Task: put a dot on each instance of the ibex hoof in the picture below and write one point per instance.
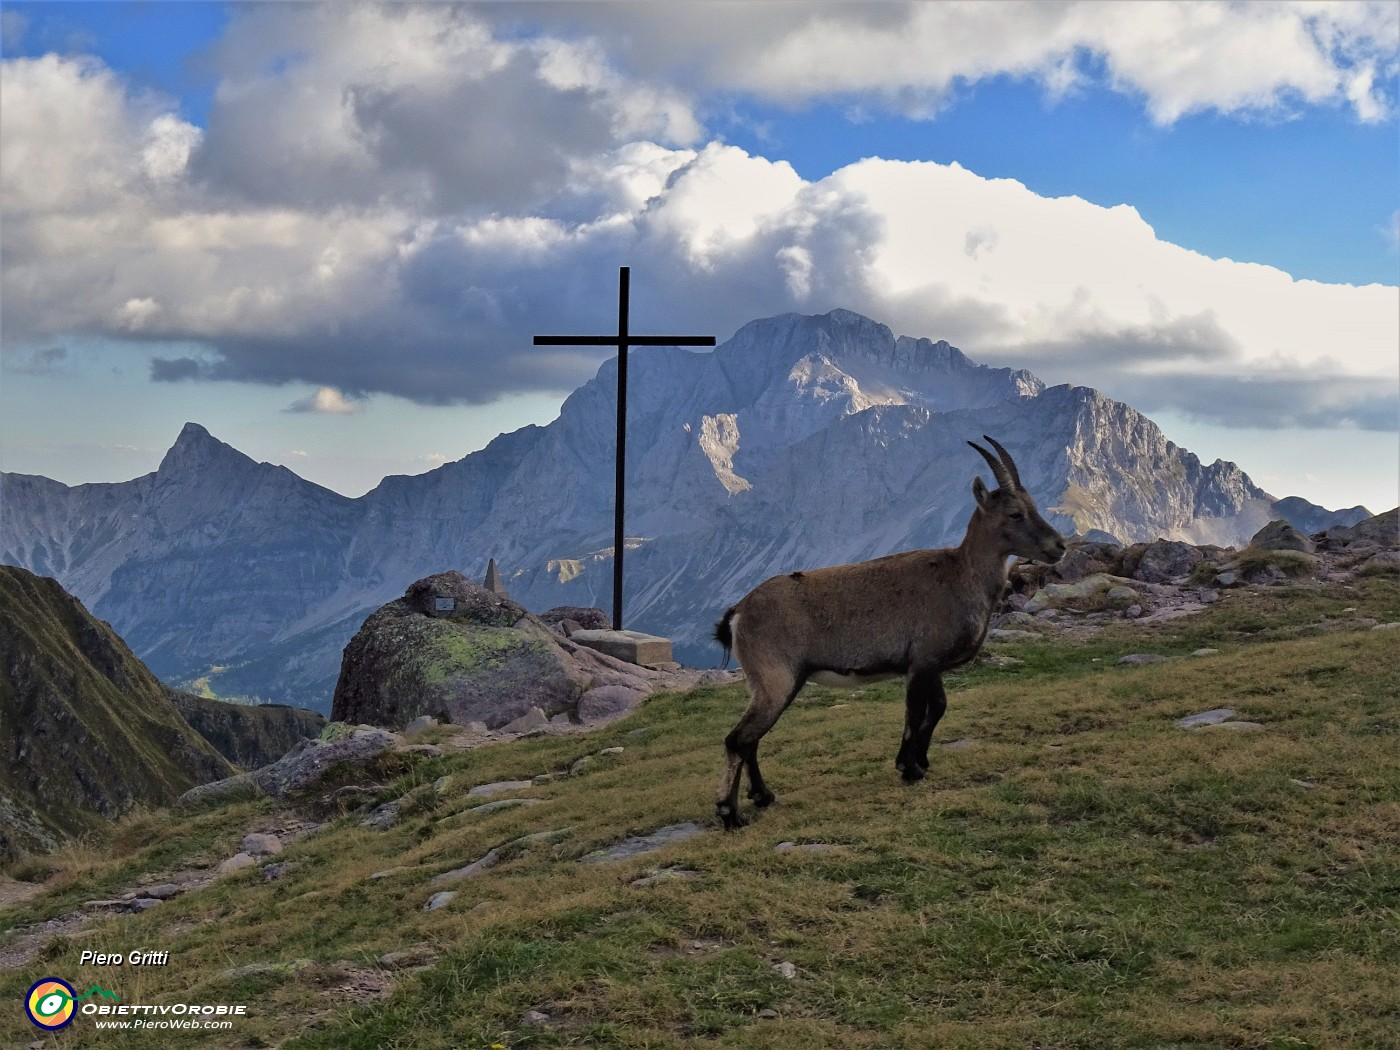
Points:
(763, 799)
(729, 815)
(911, 773)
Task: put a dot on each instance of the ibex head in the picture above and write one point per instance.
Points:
(1012, 515)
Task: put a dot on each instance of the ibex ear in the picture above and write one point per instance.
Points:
(979, 492)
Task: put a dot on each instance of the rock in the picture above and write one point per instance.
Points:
(144, 904)
(1137, 659)
(273, 872)
(487, 790)
(1165, 560)
(1208, 597)
(534, 1017)
(260, 845)
(419, 725)
(1382, 560)
(1382, 529)
(999, 635)
(1204, 652)
(610, 751)
(1227, 579)
(608, 702)
(586, 619)
(505, 803)
(418, 955)
(1244, 726)
(476, 867)
(258, 968)
(1120, 597)
(162, 891)
(1386, 626)
(309, 762)
(230, 789)
(237, 862)
(439, 900)
(1132, 612)
(532, 721)
(1306, 785)
(248, 735)
(661, 875)
(442, 783)
(1207, 718)
(808, 847)
(381, 818)
(581, 765)
(485, 659)
(631, 646)
(1084, 558)
(640, 844)
(1279, 535)
(767, 1014)
(785, 969)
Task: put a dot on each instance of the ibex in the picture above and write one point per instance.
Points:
(917, 613)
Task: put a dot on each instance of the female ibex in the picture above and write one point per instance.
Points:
(917, 614)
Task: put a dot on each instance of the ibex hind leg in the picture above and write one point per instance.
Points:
(770, 696)
(924, 704)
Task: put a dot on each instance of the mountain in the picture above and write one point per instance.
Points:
(86, 731)
(802, 441)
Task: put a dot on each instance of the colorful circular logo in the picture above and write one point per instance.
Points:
(50, 1003)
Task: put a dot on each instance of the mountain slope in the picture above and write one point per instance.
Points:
(86, 731)
(802, 441)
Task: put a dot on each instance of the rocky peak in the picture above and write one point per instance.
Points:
(197, 452)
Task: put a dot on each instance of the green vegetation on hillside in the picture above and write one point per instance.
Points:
(1080, 872)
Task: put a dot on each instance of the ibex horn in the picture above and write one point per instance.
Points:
(998, 469)
(1006, 458)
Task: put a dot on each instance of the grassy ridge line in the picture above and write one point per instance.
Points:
(1084, 874)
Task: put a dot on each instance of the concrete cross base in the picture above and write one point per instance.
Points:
(632, 646)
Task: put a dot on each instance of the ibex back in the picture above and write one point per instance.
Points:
(916, 614)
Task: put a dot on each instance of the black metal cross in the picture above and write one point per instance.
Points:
(622, 341)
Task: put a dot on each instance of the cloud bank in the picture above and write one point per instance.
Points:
(394, 200)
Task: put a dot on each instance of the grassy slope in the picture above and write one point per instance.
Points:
(83, 717)
(1085, 874)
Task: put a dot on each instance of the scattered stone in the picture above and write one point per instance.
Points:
(381, 818)
(1205, 652)
(1003, 661)
(1138, 659)
(785, 969)
(273, 872)
(767, 1014)
(418, 955)
(1386, 626)
(547, 778)
(237, 862)
(661, 875)
(389, 872)
(501, 785)
(260, 845)
(640, 844)
(581, 765)
(257, 968)
(532, 721)
(1245, 726)
(104, 905)
(143, 904)
(162, 891)
(1120, 597)
(607, 702)
(1306, 785)
(1001, 635)
(439, 900)
(1207, 718)
(476, 867)
(611, 751)
(1208, 597)
(534, 1017)
(1132, 612)
(1227, 579)
(441, 784)
(808, 847)
(505, 803)
(419, 725)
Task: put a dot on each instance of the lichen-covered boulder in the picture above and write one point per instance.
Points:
(1279, 535)
(1090, 592)
(1084, 558)
(454, 650)
(1160, 561)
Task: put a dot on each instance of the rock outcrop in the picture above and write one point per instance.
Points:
(248, 735)
(86, 731)
(452, 650)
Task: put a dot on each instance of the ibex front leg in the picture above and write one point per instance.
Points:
(924, 704)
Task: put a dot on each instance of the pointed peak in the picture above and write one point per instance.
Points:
(193, 432)
(195, 449)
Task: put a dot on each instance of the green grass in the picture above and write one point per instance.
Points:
(1084, 874)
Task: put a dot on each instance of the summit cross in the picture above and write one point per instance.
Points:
(622, 340)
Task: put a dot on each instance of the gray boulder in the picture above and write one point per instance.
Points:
(1160, 561)
(307, 765)
(1279, 535)
(483, 659)
(589, 619)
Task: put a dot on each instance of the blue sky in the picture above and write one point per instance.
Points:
(327, 232)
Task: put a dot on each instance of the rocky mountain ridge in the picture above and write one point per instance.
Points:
(802, 441)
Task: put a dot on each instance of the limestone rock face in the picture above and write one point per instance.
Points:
(483, 659)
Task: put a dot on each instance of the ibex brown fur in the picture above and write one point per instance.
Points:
(917, 614)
